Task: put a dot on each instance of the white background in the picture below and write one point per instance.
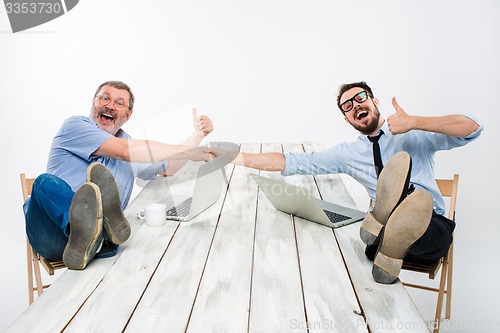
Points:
(265, 71)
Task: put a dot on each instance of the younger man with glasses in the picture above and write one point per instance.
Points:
(406, 220)
(76, 208)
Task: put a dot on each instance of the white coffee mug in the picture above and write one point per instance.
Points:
(155, 214)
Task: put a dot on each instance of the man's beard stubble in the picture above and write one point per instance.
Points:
(371, 126)
(96, 113)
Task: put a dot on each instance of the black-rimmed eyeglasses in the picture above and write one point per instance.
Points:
(359, 97)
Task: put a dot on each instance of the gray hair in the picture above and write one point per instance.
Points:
(118, 85)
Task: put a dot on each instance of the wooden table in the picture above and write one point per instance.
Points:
(239, 266)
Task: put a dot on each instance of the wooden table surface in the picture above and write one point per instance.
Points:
(239, 266)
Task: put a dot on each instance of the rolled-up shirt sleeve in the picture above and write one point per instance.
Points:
(474, 135)
(445, 142)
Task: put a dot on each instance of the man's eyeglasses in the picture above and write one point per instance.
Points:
(359, 97)
(118, 103)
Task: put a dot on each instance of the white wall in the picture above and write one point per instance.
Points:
(264, 71)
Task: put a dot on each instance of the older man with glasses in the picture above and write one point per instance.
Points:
(394, 160)
(75, 212)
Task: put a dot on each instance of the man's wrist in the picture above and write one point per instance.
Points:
(417, 123)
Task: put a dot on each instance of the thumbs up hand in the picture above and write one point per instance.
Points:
(202, 124)
(399, 122)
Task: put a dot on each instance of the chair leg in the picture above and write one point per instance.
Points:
(38, 274)
(442, 286)
(449, 284)
(30, 262)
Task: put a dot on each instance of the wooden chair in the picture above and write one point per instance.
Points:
(448, 188)
(34, 259)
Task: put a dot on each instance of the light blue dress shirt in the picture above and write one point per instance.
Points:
(72, 152)
(356, 159)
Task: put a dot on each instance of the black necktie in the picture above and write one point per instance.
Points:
(377, 158)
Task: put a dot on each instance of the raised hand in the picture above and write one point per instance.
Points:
(202, 124)
(399, 122)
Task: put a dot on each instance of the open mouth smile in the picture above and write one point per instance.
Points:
(106, 116)
(361, 114)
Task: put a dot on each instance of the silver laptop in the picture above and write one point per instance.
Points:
(299, 201)
(207, 189)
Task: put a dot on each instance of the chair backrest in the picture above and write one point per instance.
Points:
(27, 185)
(449, 188)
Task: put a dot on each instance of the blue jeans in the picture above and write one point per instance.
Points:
(47, 218)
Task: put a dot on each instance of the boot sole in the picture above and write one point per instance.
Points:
(405, 226)
(85, 218)
(391, 188)
(115, 223)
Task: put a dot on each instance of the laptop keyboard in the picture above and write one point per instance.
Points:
(182, 209)
(336, 217)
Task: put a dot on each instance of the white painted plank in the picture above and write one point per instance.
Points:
(276, 300)
(130, 276)
(331, 303)
(387, 308)
(222, 303)
(167, 303)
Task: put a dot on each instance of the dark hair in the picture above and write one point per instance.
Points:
(118, 85)
(343, 88)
